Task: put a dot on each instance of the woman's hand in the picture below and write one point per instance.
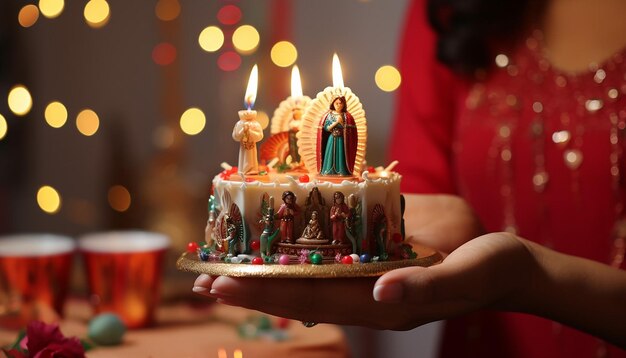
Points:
(481, 273)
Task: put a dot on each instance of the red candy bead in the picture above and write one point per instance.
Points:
(192, 247)
(257, 261)
(255, 245)
(371, 169)
(282, 323)
(347, 260)
(250, 180)
(304, 178)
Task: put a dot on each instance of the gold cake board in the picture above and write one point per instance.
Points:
(191, 263)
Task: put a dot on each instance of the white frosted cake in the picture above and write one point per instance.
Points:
(307, 195)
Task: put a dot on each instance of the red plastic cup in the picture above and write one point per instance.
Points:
(124, 273)
(34, 277)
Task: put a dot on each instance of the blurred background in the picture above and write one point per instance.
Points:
(117, 114)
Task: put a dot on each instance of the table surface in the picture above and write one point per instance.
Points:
(183, 330)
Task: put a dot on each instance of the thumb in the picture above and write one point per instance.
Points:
(418, 285)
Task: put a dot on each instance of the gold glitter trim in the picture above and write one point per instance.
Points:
(191, 263)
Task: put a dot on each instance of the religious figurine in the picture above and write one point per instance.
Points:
(248, 132)
(337, 140)
(269, 233)
(379, 232)
(209, 233)
(287, 213)
(353, 222)
(315, 202)
(294, 128)
(339, 212)
(312, 232)
(231, 235)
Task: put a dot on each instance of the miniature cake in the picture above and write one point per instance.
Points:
(307, 195)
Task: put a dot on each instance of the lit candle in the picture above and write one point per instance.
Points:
(296, 84)
(253, 82)
(248, 130)
(337, 74)
(288, 118)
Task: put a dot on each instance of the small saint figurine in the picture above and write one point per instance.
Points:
(313, 231)
(287, 213)
(248, 132)
(337, 140)
(339, 212)
(294, 128)
(232, 236)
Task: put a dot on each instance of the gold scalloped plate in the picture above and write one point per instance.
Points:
(191, 263)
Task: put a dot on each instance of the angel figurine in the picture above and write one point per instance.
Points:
(248, 132)
(337, 140)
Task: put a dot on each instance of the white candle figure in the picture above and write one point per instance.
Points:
(248, 130)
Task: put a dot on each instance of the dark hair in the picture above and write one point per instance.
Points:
(470, 31)
(338, 194)
(343, 100)
(288, 193)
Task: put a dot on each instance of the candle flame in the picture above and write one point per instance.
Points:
(237, 353)
(337, 75)
(296, 84)
(252, 86)
(221, 353)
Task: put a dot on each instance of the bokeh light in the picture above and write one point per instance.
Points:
(246, 39)
(164, 54)
(4, 127)
(56, 114)
(263, 119)
(20, 100)
(229, 61)
(388, 78)
(87, 122)
(211, 39)
(28, 15)
(97, 13)
(51, 8)
(284, 54)
(192, 121)
(167, 10)
(229, 15)
(119, 198)
(48, 199)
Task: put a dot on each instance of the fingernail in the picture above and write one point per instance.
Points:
(223, 286)
(203, 280)
(199, 289)
(391, 293)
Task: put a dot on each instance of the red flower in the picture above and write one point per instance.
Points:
(46, 341)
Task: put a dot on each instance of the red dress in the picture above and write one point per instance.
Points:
(533, 150)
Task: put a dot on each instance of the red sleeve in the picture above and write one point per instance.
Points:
(425, 110)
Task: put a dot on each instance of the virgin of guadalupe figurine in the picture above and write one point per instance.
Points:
(287, 214)
(337, 140)
(339, 212)
(248, 132)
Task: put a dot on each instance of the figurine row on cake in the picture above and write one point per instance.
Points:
(306, 195)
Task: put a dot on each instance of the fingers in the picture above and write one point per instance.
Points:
(203, 283)
(343, 301)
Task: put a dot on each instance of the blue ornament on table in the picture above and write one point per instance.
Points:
(106, 329)
(365, 258)
(203, 255)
